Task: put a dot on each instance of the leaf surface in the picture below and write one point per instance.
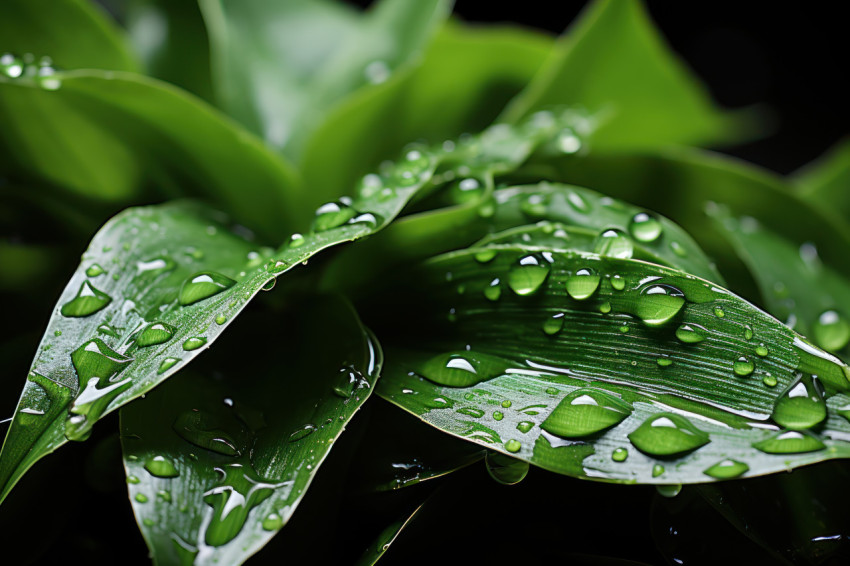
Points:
(609, 369)
(216, 466)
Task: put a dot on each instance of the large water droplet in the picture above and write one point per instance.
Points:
(691, 333)
(155, 333)
(585, 412)
(161, 467)
(645, 228)
(88, 301)
(658, 304)
(614, 243)
(194, 343)
(667, 434)
(203, 286)
(462, 369)
(669, 490)
(333, 214)
(801, 406)
(96, 359)
(583, 284)
(204, 430)
(504, 469)
(831, 331)
(727, 469)
(90, 405)
(528, 275)
(790, 442)
(743, 366)
(620, 454)
(232, 500)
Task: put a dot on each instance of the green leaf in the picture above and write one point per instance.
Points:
(106, 136)
(794, 284)
(615, 63)
(178, 272)
(385, 539)
(606, 368)
(216, 466)
(75, 33)
(825, 181)
(278, 67)
(466, 77)
(172, 42)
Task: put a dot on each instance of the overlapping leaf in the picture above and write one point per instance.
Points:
(167, 280)
(280, 66)
(217, 466)
(610, 369)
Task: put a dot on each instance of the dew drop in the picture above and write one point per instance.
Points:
(161, 467)
(761, 350)
(802, 406)
(494, 290)
(155, 333)
(584, 412)
(790, 442)
(583, 284)
(505, 469)
(194, 343)
(669, 490)
(203, 286)
(743, 366)
(645, 228)
(658, 304)
(618, 283)
(272, 522)
(524, 426)
(88, 301)
(513, 446)
(657, 470)
(831, 331)
(690, 333)
(614, 243)
(94, 270)
(167, 364)
(462, 369)
(528, 275)
(553, 324)
(727, 469)
(619, 454)
(667, 434)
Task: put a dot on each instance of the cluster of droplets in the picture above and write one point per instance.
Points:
(27, 67)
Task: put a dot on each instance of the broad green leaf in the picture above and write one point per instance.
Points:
(794, 284)
(678, 183)
(606, 368)
(216, 466)
(385, 539)
(172, 277)
(826, 181)
(76, 34)
(171, 40)
(278, 67)
(106, 136)
(466, 77)
(614, 62)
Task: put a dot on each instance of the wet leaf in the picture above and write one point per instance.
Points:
(216, 466)
(609, 369)
(825, 181)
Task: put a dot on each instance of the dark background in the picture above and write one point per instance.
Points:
(790, 58)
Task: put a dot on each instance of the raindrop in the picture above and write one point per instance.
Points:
(690, 333)
(513, 446)
(553, 324)
(657, 470)
(658, 304)
(618, 283)
(790, 442)
(88, 301)
(167, 364)
(203, 430)
(831, 331)
(202, 286)
(645, 228)
(494, 290)
(802, 406)
(619, 454)
(667, 434)
(462, 369)
(94, 270)
(272, 522)
(161, 467)
(504, 469)
(583, 284)
(332, 214)
(669, 490)
(613, 243)
(194, 343)
(727, 469)
(528, 275)
(584, 412)
(155, 333)
(743, 366)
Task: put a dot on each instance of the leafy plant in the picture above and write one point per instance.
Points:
(510, 238)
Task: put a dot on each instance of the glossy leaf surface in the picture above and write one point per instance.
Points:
(216, 466)
(656, 372)
(612, 61)
(280, 66)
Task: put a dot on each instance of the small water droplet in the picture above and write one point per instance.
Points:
(133, 480)
(669, 490)
(203, 286)
(494, 290)
(302, 432)
(691, 333)
(657, 470)
(524, 426)
(167, 364)
(618, 283)
(485, 256)
(88, 301)
(664, 361)
(678, 249)
(583, 284)
(272, 522)
(761, 350)
(462, 369)
(743, 366)
(667, 434)
(194, 343)
(769, 380)
(94, 270)
(506, 403)
(619, 454)
(748, 332)
(204, 430)
(513, 446)
(141, 498)
(727, 469)
(718, 312)
(161, 467)
(220, 319)
(553, 324)
(505, 469)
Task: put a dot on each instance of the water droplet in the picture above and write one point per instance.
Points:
(658, 304)
(412, 169)
(790, 442)
(504, 469)
(568, 142)
(498, 415)
(161, 467)
(141, 498)
(618, 283)
(494, 290)
(302, 432)
(528, 275)
(133, 480)
(467, 190)
(524, 426)
(553, 324)
(203, 286)
(155, 266)
(727, 469)
(204, 430)
(645, 228)
(831, 331)
(624, 329)
(691, 333)
(619, 454)
(220, 319)
(743, 366)
(664, 361)
(485, 256)
(578, 202)
(239, 491)
(614, 243)
(657, 470)
(669, 490)
(802, 406)
(551, 391)
(107, 330)
(376, 72)
(605, 307)
(718, 312)
(94, 270)
(347, 381)
(584, 412)
(506, 403)
(761, 350)
(269, 285)
(583, 284)
(167, 364)
(462, 369)
(513, 446)
(164, 495)
(332, 214)
(11, 66)
(748, 332)
(88, 301)
(155, 333)
(272, 522)
(194, 343)
(535, 206)
(667, 434)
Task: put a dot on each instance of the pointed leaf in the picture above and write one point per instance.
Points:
(280, 66)
(216, 466)
(77, 34)
(825, 182)
(647, 374)
(56, 133)
(613, 61)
